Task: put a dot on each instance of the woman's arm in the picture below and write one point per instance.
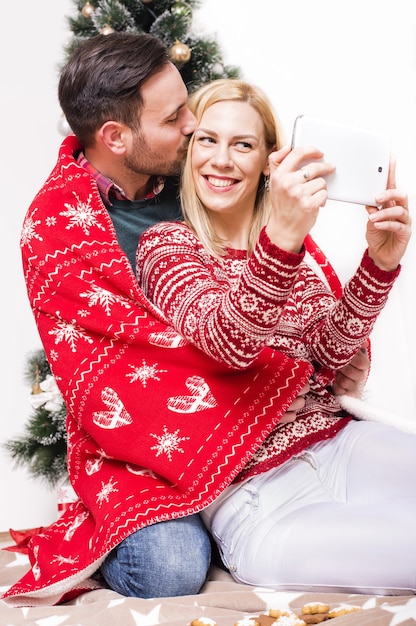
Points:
(229, 309)
(331, 332)
(334, 332)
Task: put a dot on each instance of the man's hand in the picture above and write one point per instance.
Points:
(351, 379)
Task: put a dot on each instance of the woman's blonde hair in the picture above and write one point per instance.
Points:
(197, 218)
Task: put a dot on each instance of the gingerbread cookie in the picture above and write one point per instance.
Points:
(203, 621)
(282, 618)
(278, 613)
(343, 610)
(312, 608)
(315, 618)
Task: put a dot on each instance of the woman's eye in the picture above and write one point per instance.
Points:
(244, 145)
(206, 140)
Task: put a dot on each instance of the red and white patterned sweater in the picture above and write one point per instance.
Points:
(232, 307)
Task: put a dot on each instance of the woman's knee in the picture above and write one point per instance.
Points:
(165, 559)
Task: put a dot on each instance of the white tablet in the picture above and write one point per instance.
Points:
(361, 157)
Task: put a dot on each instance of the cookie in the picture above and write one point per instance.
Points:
(312, 608)
(278, 613)
(285, 618)
(343, 610)
(203, 621)
(316, 618)
(266, 620)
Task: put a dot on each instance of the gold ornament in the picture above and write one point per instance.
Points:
(106, 30)
(180, 52)
(181, 9)
(36, 388)
(147, 1)
(87, 10)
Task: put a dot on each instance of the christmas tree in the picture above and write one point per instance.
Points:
(42, 446)
(198, 59)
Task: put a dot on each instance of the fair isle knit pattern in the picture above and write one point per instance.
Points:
(156, 430)
(231, 325)
(230, 307)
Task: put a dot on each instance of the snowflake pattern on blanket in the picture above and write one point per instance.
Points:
(155, 429)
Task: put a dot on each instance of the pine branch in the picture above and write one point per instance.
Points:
(42, 446)
(170, 20)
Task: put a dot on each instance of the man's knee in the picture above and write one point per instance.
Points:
(166, 559)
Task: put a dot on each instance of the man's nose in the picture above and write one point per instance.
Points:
(190, 123)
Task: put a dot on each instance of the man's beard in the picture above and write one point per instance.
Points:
(145, 161)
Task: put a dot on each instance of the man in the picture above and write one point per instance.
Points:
(153, 434)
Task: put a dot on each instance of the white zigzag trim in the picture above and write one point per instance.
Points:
(201, 493)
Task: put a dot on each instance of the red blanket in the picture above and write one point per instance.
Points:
(155, 429)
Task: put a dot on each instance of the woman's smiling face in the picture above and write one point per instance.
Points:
(228, 157)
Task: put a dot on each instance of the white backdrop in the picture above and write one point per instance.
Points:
(353, 61)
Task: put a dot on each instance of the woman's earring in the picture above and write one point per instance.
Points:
(267, 183)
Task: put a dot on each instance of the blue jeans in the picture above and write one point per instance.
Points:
(162, 560)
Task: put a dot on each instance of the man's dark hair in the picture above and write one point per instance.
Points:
(103, 77)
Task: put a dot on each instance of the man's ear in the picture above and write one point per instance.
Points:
(113, 136)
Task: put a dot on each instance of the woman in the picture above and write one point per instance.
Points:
(326, 500)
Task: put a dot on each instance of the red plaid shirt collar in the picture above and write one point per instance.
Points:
(109, 189)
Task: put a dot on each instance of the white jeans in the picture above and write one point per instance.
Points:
(341, 517)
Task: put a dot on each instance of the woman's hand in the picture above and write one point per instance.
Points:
(350, 380)
(297, 404)
(389, 227)
(297, 192)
